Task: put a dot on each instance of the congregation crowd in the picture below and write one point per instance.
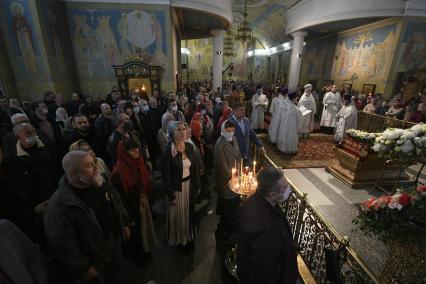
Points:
(76, 176)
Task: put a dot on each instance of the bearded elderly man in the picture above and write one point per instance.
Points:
(266, 253)
(84, 224)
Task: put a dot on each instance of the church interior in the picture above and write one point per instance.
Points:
(330, 94)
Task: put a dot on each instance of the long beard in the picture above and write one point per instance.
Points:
(95, 181)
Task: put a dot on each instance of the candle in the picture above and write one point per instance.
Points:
(254, 168)
(233, 172)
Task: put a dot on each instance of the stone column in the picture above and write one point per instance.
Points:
(296, 59)
(217, 58)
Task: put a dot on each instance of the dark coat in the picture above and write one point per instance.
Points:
(104, 126)
(151, 123)
(20, 259)
(18, 208)
(225, 155)
(74, 235)
(9, 143)
(34, 178)
(92, 138)
(266, 253)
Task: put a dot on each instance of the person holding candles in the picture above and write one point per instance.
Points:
(227, 155)
(180, 173)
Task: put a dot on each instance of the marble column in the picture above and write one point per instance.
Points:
(296, 59)
(217, 57)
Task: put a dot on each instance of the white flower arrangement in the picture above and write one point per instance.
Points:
(402, 144)
(361, 136)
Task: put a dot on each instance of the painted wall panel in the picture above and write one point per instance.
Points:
(104, 35)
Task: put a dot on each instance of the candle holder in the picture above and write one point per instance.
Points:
(243, 181)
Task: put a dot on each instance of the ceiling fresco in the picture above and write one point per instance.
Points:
(266, 17)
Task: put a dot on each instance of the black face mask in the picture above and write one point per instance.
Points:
(85, 130)
(128, 126)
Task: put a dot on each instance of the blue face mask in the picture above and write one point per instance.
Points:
(31, 140)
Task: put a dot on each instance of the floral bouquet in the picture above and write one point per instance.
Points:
(362, 136)
(393, 216)
(407, 145)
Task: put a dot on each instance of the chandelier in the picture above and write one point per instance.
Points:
(244, 30)
(228, 44)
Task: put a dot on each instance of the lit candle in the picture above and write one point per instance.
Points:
(254, 168)
(233, 172)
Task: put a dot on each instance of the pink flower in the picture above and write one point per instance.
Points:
(369, 203)
(421, 188)
(384, 200)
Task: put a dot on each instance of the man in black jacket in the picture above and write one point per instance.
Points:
(33, 177)
(266, 253)
(83, 130)
(150, 120)
(85, 224)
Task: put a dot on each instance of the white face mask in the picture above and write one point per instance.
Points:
(203, 112)
(145, 108)
(135, 109)
(228, 135)
(31, 140)
(218, 100)
(285, 195)
(174, 109)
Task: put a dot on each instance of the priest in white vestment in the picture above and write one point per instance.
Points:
(332, 104)
(259, 103)
(290, 122)
(308, 108)
(346, 118)
(275, 106)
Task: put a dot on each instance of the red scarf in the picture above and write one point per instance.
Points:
(225, 115)
(126, 167)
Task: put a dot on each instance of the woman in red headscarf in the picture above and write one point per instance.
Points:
(197, 131)
(226, 113)
(132, 179)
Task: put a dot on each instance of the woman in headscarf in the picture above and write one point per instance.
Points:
(180, 173)
(82, 145)
(15, 107)
(226, 113)
(197, 132)
(63, 120)
(163, 133)
(132, 179)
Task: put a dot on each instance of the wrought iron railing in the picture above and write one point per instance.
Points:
(328, 255)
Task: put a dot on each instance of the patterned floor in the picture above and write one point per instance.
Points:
(314, 152)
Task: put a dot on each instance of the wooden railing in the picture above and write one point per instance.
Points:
(378, 123)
